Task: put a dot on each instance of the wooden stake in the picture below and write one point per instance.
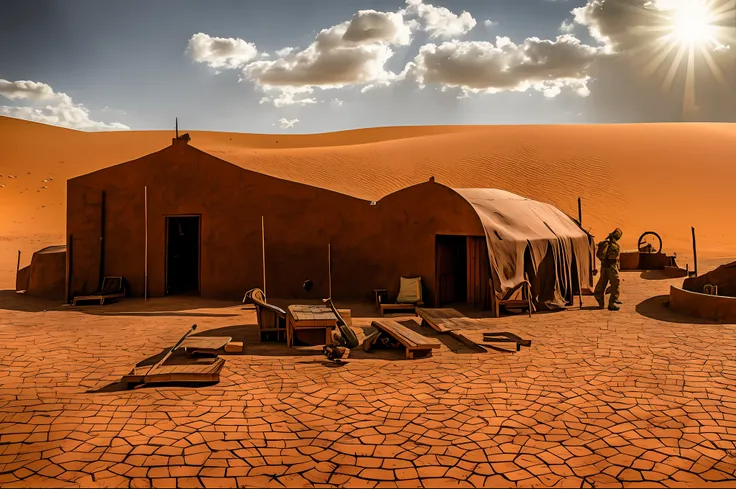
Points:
(101, 277)
(695, 253)
(145, 259)
(69, 269)
(329, 270)
(263, 248)
(580, 212)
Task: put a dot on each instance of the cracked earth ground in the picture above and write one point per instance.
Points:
(639, 397)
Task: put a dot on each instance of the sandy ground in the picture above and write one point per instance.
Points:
(660, 177)
(600, 399)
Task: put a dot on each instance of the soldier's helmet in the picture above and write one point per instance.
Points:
(617, 233)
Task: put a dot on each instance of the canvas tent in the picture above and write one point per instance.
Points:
(533, 240)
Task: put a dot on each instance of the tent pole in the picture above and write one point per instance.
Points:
(69, 269)
(145, 259)
(329, 269)
(263, 248)
(580, 212)
(695, 253)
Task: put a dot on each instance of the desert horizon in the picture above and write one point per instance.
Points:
(652, 177)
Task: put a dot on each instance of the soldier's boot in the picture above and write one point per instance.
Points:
(613, 307)
(601, 302)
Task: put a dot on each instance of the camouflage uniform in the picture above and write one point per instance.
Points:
(609, 272)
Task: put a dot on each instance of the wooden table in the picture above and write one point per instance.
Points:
(309, 317)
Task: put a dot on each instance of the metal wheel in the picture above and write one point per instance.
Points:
(650, 242)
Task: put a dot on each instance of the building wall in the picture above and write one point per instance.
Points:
(372, 246)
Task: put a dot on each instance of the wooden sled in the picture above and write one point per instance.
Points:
(112, 288)
(205, 370)
(411, 340)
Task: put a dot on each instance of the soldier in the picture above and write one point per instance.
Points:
(608, 253)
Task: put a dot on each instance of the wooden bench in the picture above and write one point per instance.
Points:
(112, 288)
(207, 372)
(401, 307)
(411, 340)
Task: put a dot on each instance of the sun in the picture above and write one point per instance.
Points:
(693, 22)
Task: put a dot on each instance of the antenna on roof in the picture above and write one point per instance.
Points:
(177, 128)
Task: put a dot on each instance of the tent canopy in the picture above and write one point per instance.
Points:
(514, 224)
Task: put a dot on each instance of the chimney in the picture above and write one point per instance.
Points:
(184, 138)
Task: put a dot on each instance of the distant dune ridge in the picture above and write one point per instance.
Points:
(640, 177)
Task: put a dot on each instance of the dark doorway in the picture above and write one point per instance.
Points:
(182, 255)
(452, 270)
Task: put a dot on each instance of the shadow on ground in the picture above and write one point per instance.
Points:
(658, 308)
(159, 306)
(655, 275)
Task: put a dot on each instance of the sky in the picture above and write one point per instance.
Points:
(309, 66)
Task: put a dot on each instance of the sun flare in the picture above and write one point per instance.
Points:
(692, 22)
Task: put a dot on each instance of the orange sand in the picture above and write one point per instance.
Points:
(661, 177)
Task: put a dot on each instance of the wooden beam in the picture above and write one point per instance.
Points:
(695, 253)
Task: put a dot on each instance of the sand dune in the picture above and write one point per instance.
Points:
(662, 177)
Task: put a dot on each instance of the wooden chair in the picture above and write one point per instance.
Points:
(271, 319)
(524, 303)
(405, 306)
(411, 340)
(112, 288)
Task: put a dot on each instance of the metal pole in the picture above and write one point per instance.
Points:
(263, 248)
(580, 212)
(145, 265)
(695, 253)
(329, 269)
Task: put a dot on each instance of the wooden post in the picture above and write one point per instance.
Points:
(101, 277)
(69, 269)
(329, 270)
(17, 267)
(145, 257)
(580, 212)
(263, 252)
(695, 253)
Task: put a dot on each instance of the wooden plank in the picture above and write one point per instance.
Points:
(436, 318)
(406, 336)
(205, 342)
(176, 373)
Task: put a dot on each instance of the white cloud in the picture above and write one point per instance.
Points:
(483, 67)
(350, 53)
(59, 108)
(490, 23)
(286, 123)
(33, 92)
(218, 52)
(567, 27)
(439, 22)
(285, 96)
